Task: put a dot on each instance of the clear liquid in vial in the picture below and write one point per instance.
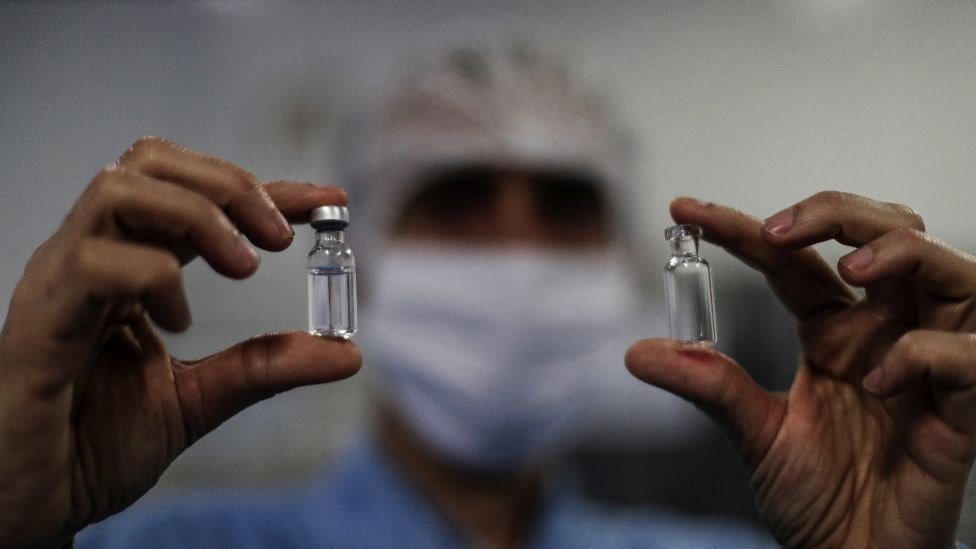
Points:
(332, 301)
(690, 301)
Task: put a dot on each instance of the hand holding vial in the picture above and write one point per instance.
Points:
(79, 352)
(873, 444)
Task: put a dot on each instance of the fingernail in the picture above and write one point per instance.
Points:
(858, 260)
(284, 227)
(872, 381)
(779, 223)
(695, 201)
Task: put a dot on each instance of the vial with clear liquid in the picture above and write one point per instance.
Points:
(331, 276)
(688, 287)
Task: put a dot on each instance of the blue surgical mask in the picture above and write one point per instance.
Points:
(486, 353)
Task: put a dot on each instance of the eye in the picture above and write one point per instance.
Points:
(454, 196)
(570, 202)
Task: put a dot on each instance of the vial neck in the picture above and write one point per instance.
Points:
(329, 235)
(684, 246)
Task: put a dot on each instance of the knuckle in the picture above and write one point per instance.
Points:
(143, 151)
(107, 180)
(830, 198)
(39, 259)
(910, 348)
(105, 192)
(823, 196)
(151, 141)
(169, 265)
(83, 257)
(167, 270)
(210, 215)
(911, 216)
(160, 270)
(256, 358)
(909, 237)
(242, 182)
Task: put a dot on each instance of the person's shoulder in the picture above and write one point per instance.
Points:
(332, 501)
(221, 519)
(360, 500)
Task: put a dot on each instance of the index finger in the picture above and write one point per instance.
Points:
(804, 282)
(230, 187)
(830, 215)
(297, 200)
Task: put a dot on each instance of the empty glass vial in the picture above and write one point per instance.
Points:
(331, 276)
(688, 286)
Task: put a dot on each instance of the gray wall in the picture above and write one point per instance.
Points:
(754, 104)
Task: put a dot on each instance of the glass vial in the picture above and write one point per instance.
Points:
(331, 276)
(688, 286)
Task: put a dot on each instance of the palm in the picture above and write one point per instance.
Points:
(887, 458)
(129, 409)
(821, 467)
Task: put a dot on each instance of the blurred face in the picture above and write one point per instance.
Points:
(485, 351)
(485, 206)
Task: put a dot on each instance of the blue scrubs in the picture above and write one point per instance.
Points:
(365, 501)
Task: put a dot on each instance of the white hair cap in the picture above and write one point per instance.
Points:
(510, 108)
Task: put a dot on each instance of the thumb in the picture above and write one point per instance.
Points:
(213, 389)
(716, 384)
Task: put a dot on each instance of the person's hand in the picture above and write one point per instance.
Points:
(92, 407)
(873, 444)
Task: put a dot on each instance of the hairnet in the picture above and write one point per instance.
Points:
(511, 108)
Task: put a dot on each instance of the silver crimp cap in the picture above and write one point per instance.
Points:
(330, 216)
